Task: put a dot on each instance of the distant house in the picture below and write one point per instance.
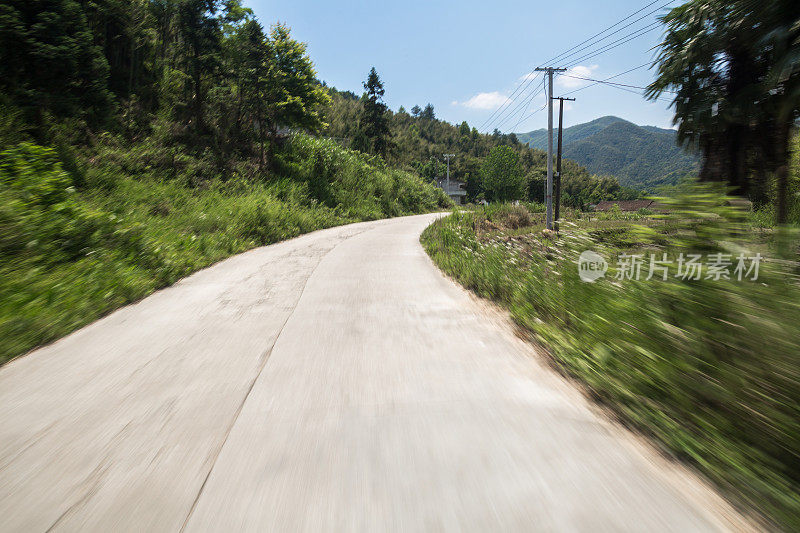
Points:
(625, 205)
(456, 191)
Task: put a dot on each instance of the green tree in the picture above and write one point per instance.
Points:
(502, 175)
(416, 111)
(428, 113)
(430, 169)
(296, 98)
(49, 62)
(122, 29)
(733, 69)
(253, 67)
(202, 33)
(474, 187)
(374, 119)
(234, 16)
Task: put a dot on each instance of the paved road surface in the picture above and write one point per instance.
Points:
(332, 382)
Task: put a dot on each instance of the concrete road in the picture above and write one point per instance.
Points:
(334, 382)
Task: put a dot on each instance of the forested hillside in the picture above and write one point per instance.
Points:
(142, 140)
(538, 138)
(641, 157)
(417, 140)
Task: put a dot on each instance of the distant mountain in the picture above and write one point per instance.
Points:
(642, 157)
(538, 138)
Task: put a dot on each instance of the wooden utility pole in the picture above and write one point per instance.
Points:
(549, 192)
(558, 158)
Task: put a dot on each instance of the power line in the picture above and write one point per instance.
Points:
(496, 118)
(520, 106)
(526, 82)
(620, 86)
(509, 101)
(564, 57)
(595, 82)
(600, 33)
(523, 107)
(608, 78)
(529, 116)
(611, 83)
(522, 86)
(622, 40)
(522, 117)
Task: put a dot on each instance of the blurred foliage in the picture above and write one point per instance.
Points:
(732, 72)
(707, 368)
(502, 175)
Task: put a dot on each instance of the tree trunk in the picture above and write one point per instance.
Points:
(261, 157)
(783, 131)
(782, 183)
(714, 153)
(737, 173)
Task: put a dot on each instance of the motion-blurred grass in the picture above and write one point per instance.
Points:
(131, 219)
(709, 369)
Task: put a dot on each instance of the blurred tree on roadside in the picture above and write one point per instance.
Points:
(502, 175)
(734, 69)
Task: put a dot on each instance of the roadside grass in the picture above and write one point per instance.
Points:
(708, 369)
(135, 220)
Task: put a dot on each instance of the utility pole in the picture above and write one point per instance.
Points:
(448, 156)
(558, 158)
(549, 193)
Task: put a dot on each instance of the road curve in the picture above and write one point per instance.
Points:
(336, 381)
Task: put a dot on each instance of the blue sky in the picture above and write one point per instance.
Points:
(467, 57)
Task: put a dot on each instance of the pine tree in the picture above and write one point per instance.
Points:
(202, 33)
(253, 66)
(374, 119)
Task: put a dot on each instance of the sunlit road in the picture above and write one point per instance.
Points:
(332, 382)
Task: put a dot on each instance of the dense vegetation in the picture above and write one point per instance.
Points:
(416, 140)
(144, 140)
(640, 157)
(708, 368)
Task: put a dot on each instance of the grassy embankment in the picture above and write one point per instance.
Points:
(708, 369)
(125, 221)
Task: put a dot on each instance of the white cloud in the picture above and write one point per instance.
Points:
(580, 71)
(486, 101)
(528, 76)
